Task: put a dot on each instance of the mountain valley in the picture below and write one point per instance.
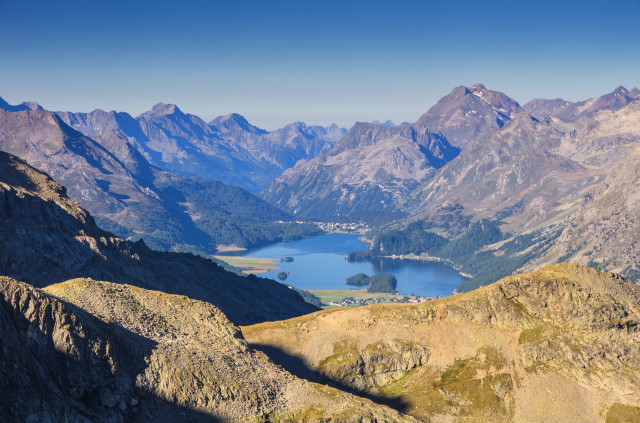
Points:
(99, 328)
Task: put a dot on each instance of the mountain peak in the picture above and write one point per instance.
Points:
(458, 92)
(234, 121)
(478, 87)
(621, 90)
(162, 109)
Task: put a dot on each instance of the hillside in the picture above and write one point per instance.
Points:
(373, 168)
(555, 345)
(47, 238)
(85, 351)
(112, 179)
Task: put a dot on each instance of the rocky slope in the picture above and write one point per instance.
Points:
(228, 148)
(548, 175)
(87, 351)
(604, 230)
(45, 238)
(555, 345)
(374, 167)
(112, 179)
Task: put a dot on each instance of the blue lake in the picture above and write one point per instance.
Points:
(319, 263)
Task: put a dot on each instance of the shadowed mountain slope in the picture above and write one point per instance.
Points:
(46, 238)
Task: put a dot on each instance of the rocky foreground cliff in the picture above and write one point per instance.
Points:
(86, 351)
(556, 345)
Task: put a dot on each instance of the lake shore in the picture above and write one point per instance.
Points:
(427, 257)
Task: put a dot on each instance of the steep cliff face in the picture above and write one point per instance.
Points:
(46, 238)
(499, 353)
(132, 355)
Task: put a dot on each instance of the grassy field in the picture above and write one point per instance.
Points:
(250, 265)
(337, 295)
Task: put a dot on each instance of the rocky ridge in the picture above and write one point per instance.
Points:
(570, 111)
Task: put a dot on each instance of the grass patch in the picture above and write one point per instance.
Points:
(622, 413)
(339, 295)
(474, 386)
(250, 265)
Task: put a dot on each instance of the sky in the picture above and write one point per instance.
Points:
(320, 62)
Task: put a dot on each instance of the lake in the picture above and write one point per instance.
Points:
(319, 263)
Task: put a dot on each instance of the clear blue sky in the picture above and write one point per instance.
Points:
(317, 61)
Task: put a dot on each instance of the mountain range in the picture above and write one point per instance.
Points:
(109, 176)
(96, 328)
(227, 149)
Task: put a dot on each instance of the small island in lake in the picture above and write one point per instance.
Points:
(383, 282)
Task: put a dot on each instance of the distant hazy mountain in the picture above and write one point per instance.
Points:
(228, 148)
(386, 124)
(27, 105)
(113, 180)
(373, 168)
(569, 111)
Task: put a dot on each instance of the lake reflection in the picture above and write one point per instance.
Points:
(319, 263)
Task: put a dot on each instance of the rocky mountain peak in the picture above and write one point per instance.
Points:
(621, 90)
(235, 121)
(478, 88)
(162, 109)
(635, 92)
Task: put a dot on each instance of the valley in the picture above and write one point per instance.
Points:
(188, 298)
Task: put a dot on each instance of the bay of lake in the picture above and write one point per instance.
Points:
(319, 263)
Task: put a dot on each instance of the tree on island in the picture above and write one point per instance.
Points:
(358, 280)
(383, 283)
(282, 276)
